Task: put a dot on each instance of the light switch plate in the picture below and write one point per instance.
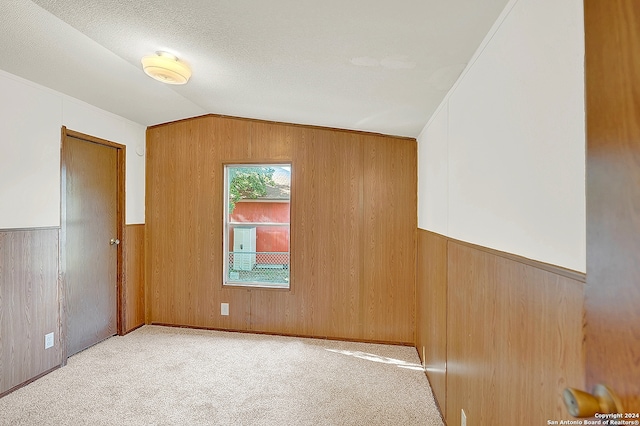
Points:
(224, 309)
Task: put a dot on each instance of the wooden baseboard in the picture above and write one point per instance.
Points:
(444, 421)
(133, 329)
(303, 336)
(31, 380)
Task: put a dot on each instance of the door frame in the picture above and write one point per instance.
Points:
(120, 220)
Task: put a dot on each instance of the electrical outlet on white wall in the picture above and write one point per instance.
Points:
(48, 340)
(463, 419)
(224, 309)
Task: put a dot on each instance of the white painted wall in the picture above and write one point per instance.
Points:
(433, 175)
(31, 117)
(502, 162)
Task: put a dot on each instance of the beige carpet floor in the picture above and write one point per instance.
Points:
(171, 376)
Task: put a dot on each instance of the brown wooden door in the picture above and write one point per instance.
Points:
(90, 273)
(612, 30)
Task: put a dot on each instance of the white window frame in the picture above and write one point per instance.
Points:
(227, 226)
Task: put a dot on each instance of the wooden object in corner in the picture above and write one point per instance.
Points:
(613, 197)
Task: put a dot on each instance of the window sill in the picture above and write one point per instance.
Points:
(257, 286)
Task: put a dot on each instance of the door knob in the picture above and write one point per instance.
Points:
(583, 404)
(114, 241)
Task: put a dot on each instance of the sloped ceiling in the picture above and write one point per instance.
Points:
(380, 66)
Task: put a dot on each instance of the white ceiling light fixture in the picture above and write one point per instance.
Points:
(166, 68)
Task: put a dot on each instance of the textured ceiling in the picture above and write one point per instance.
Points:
(381, 66)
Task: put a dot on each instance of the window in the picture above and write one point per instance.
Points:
(257, 225)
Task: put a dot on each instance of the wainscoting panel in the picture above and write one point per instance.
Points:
(29, 305)
(431, 310)
(134, 277)
(514, 339)
(353, 229)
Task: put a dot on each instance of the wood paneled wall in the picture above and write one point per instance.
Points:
(353, 232)
(514, 333)
(431, 311)
(29, 305)
(134, 298)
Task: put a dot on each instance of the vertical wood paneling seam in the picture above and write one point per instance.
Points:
(362, 234)
(61, 252)
(147, 209)
(60, 291)
(446, 327)
(121, 282)
(251, 141)
(249, 321)
(415, 238)
(416, 325)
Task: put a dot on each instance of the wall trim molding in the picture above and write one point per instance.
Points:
(444, 421)
(306, 126)
(28, 382)
(555, 269)
(37, 228)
